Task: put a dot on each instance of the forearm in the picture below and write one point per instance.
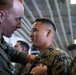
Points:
(16, 56)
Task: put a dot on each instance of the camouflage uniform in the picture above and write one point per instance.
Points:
(16, 69)
(8, 54)
(56, 60)
(26, 69)
(20, 69)
(73, 67)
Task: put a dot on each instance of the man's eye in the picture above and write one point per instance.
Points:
(34, 29)
(17, 19)
(15, 46)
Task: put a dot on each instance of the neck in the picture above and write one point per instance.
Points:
(43, 48)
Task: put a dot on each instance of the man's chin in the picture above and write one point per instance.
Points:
(34, 45)
(9, 35)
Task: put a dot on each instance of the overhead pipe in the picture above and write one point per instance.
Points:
(61, 22)
(52, 17)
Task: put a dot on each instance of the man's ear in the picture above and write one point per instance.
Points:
(48, 32)
(23, 49)
(1, 16)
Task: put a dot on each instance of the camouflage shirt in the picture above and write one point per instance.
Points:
(57, 61)
(73, 67)
(19, 69)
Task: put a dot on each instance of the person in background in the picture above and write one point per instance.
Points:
(54, 61)
(11, 13)
(26, 69)
(34, 51)
(21, 46)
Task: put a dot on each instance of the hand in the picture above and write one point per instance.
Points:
(30, 58)
(39, 70)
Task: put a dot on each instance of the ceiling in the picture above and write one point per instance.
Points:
(61, 12)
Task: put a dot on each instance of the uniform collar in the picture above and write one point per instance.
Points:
(51, 47)
(2, 44)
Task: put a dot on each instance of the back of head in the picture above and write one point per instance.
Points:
(48, 21)
(6, 4)
(24, 44)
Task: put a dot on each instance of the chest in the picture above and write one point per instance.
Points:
(48, 58)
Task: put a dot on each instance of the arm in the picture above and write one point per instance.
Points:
(4, 67)
(57, 64)
(56, 69)
(60, 64)
(19, 57)
(73, 67)
(39, 70)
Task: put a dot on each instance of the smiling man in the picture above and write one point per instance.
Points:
(54, 60)
(11, 13)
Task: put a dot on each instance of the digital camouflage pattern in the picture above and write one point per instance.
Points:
(26, 69)
(16, 69)
(73, 67)
(57, 61)
(21, 69)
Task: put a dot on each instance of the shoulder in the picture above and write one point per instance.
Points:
(73, 66)
(73, 63)
(60, 54)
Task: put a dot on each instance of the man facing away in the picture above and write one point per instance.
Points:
(21, 46)
(54, 61)
(11, 13)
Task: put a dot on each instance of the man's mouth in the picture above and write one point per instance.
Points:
(14, 30)
(32, 40)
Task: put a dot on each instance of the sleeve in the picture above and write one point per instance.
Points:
(16, 56)
(3, 73)
(4, 69)
(73, 67)
(60, 64)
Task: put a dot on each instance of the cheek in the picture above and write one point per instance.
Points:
(8, 26)
(43, 35)
(12, 26)
(36, 37)
(9, 23)
(40, 37)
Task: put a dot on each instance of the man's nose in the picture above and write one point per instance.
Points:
(19, 25)
(31, 34)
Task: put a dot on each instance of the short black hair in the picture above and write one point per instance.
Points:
(24, 44)
(45, 20)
